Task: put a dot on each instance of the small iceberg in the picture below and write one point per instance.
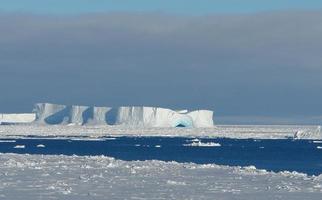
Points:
(203, 144)
(19, 147)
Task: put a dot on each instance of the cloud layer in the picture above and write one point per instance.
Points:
(258, 64)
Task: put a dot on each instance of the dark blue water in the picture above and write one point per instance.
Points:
(275, 155)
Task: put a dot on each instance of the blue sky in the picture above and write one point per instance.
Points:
(168, 6)
(259, 61)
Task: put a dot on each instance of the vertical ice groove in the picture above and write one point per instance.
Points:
(76, 114)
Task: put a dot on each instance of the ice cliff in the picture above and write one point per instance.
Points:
(162, 117)
(47, 113)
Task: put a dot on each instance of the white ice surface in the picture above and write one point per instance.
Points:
(261, 132)
(138, 116)
(19, 147)
(7, 141)
(76, 114)
(17, 118)
(203, 144)
(33, 177)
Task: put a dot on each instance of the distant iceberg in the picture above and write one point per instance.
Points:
(47, 113)
(162, 117)
(15, 118)
(137, 116)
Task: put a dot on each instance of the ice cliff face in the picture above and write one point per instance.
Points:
(47, 113)
(77, 114)
(162, 117)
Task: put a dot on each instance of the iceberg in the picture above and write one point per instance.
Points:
(17, 118)
(47, 113)
(99, 114)
(202, 118)
(134, 116)
(163, 117)
(77, 114)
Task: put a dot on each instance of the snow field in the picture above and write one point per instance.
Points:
(241, 132)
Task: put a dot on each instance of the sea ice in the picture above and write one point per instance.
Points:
(19, 147)
(7, 141)
(203, 144)
(35, 177)
(97, 131)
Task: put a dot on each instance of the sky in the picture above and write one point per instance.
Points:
(168, 6)
(249, 61)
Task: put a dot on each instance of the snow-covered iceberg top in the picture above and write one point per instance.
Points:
(137, 116)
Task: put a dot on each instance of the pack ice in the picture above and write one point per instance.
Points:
(47, 113)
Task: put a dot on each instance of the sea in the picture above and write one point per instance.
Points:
(304, 156)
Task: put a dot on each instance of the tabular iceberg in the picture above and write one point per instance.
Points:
(48, 113)
(162, 117)
(17, 118)
(139, 116)
(76, 114)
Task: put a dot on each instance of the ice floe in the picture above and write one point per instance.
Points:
(7, 141)
(203, 144)
(32, 177)
(19, 146)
